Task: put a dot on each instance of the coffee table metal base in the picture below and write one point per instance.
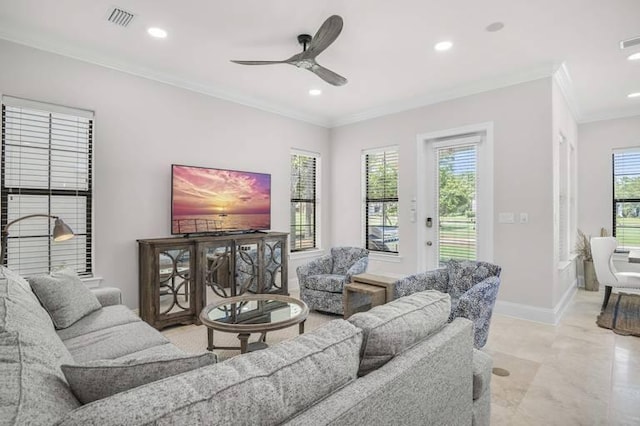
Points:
(245, 345)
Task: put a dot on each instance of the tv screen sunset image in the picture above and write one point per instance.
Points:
(212, 200)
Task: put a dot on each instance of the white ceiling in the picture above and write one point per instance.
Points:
(385, 49)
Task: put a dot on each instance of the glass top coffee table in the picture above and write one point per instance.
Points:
(252, 313)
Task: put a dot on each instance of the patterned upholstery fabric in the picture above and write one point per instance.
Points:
(323, 279)
(326, 282)
(473, 287)
(345, 257)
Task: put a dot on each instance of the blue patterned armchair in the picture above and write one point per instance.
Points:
(473, 287)
(323, 279)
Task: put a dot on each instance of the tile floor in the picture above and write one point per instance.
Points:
(575, 373)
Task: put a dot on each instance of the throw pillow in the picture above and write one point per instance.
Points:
(100, 379)
(64, 296)
(390, 329)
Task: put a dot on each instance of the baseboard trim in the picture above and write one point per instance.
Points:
(534, 313)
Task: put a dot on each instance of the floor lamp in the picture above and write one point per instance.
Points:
(61, 231)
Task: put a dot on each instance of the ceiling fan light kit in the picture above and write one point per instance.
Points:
(311, 48)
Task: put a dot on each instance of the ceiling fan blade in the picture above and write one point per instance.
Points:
(328, 75)
(327, 34)
(258, 62)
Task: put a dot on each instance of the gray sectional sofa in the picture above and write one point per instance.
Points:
(400, 363)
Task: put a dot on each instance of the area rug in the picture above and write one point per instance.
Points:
(622, 314)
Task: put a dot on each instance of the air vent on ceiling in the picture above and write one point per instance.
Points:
(630, 43)
(120, 17)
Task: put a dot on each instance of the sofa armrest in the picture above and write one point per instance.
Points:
(477, 304)
(108, 296)
(321, 265)
(436, 279)
(357, 268)
(482, 364)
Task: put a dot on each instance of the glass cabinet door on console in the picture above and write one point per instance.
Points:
(168, 284)
(179, 276)
(217, 262)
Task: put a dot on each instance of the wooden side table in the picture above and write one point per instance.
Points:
(388, 282)
(350, 297)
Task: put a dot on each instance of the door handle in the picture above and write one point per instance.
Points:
(429, 243)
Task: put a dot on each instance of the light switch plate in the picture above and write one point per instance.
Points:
(524, 217)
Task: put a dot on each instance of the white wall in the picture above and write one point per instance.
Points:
(563, 123)
(142, 127)
(597, 142)
(522, 182)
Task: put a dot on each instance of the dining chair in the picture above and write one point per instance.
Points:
(602, 249)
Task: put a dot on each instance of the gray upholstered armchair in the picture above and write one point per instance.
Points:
(473, 287)
(323, 279)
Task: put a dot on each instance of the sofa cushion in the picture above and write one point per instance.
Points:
(34, 390)
(166, 350)
(264, 387)
(18, 284)
(390, 329)
(328, 282)
(107, 317)
(114, 342)
(100, 379)
(465, 274)
(64, 296)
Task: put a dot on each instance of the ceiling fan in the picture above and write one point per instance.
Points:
(312, 47)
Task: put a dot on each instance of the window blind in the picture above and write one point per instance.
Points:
(457, 188)
(626, 198)
(381, 200)
(46, 169)
(303, 201)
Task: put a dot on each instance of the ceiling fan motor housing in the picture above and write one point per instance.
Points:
(304, 40)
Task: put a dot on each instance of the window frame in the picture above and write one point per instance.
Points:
(315, 202)
(622, 248)
(86, 195)
(366, 201)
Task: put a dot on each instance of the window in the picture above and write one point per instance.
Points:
(304, 201)
(626, 198)
(381, 200)
(46, 169)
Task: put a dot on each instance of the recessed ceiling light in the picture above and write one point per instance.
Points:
(157, 32)
(634, 57)
(315, 92)
(496, 26)
(634, 95)
(443, 45)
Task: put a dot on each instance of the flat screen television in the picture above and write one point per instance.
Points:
(217, 200)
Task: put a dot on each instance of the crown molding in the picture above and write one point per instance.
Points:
(610, 115)
(474, 88)
(44, 44)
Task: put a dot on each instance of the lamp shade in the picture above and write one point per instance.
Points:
(61, 231)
